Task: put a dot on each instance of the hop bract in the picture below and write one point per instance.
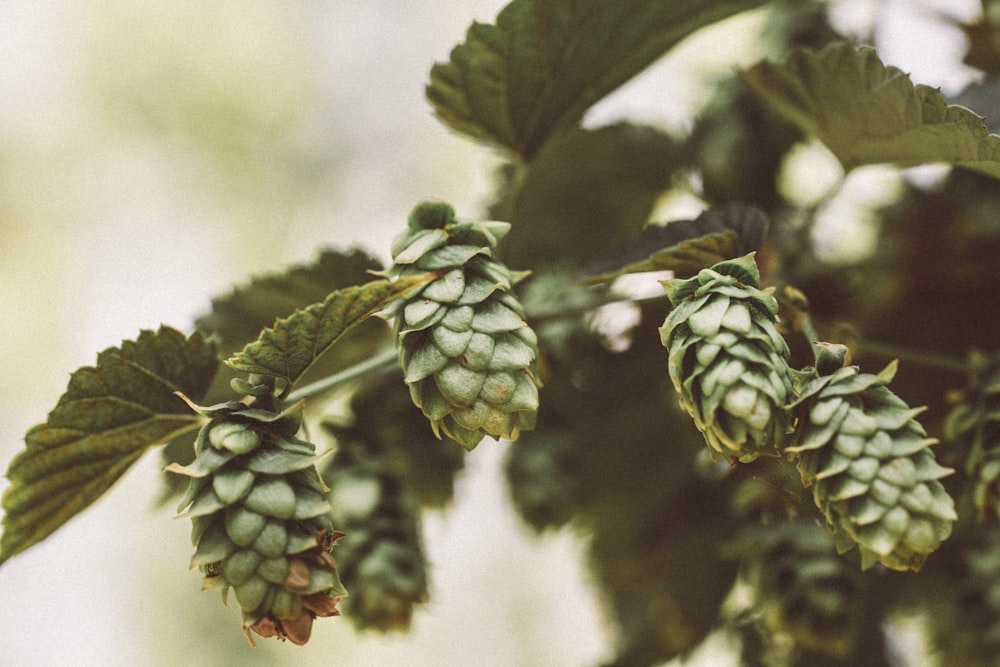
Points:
(728, 360)
(262, 522)
(870, 465)
(974, 424)
(464, 346)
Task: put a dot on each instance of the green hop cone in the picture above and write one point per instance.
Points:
(803, 587)
(464, 346)
(869, 463)
(963, 601)
(727, 359)
(383, 559)
(975, 424)
(262, 523)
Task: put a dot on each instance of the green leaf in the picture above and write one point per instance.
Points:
(587, 191)
(687, 246)
(868, 113)
(109, 416)
(543, 64)
(237, 318)
(287, 349)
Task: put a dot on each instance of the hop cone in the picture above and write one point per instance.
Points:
(869, 464)
(728, 360)
(975, 422)
(463, 344)
(262, 522)
(963, 600)
(804, 588)
(382, 559)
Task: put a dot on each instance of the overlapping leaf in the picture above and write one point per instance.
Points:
(238, 317)
(110, 414)
(543, 64)
(287, 349)
(869, 113)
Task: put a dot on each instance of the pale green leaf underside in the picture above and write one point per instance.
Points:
(869, 113)
(543, 64)
(287, 349)
(109, 416)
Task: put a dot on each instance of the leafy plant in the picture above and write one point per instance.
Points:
(729, 441)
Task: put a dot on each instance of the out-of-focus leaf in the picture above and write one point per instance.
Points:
(869, 113)
(543, 64)
(110, 414)
(587, 191)
(287, 349)
(690, 245)
(984, 46)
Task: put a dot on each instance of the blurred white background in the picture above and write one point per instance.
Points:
(154, 154)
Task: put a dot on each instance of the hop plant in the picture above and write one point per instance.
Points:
(464, 346)
(975, 422)
(869, 463)
(262, 523)
(727, 359)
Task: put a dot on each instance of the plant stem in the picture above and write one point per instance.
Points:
(932, 359)
(377, 360)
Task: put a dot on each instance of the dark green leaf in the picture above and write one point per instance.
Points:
(587, 191)
(287, 349)
(543, 64)
(237, 318)
(868, 113)
(110, 414)
(687, 246)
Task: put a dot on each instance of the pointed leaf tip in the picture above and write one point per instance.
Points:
(290, 347)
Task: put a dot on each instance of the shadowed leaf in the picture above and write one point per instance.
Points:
(869, 113)
(586, 191)
(109, 416)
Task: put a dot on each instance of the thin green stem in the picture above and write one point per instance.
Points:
(808, 330)
(383, 358)
(923, 357)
